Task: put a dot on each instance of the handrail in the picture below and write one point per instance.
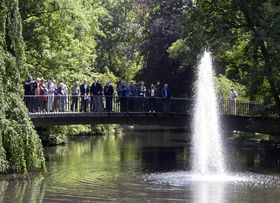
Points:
(100, 103)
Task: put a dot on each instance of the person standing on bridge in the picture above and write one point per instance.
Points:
(166, 95)
(84, 89)
(93, 94)
(96, 92)
(152, 98)
(123, 96)
(29, 92)
(232, 99)
(51, 90)
(62, 94)
(37, 88)
(132, 95)
(108, 92)
(43, 97)
(75, 91)
(141, 96)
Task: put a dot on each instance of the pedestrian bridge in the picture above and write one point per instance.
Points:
(176, 112)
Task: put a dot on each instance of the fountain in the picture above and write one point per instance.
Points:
(209, 180)
(207, 152)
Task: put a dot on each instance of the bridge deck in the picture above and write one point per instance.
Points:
(175, 112)
(141, 118)
(181, 120)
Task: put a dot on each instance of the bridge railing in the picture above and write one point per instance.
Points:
(76, 104)
(242, 108)
(59, 104)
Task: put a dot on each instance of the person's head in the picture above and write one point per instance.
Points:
(165, 85)
(107, 82)
(142, 83)
(63, 81)
(232, 89)
(61, 85)
(38, 80)
(123, 82)
(85, 82)
(29, 77)
(94, 79)
(75, 83)
(51, 79)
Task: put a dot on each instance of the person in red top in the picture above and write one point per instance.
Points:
(43, 97)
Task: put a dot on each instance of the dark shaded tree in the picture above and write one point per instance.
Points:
(162, 30)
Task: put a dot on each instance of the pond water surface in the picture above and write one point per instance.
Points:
(145, 167)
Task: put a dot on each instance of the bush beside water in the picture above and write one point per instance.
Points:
(61, 134)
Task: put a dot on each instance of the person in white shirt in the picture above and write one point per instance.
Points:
(152, 98)
(233, 98)
(141, 97)
(51, 90)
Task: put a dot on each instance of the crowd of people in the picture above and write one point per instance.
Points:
(49, 96)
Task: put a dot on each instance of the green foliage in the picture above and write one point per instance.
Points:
(20, 146)
(60, 36)
(118, 49)
(243, 37)
(106, 129)
(59, 134)
(53, 135)
(224, 86)
(74, 40)
(241, 137)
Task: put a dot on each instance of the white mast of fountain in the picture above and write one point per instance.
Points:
(206, 142)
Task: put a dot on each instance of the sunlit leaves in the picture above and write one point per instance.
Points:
(20, 146)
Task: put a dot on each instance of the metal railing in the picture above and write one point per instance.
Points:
(241, 108)
(79, 104)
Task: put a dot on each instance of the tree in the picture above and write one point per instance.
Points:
(20, 146)
(162, 30)
(243, 38)
(118, 48)
(60, 36)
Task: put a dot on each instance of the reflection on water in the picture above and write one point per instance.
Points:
(206, 192)
(143, 167)
(21, 191)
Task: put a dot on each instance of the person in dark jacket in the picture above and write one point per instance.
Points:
(84, 91)
(96, 92)
(123, 96)
(166, 95)
(75, 91)
(29, 92)
(108, 92)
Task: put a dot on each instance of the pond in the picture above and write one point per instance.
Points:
(143, 166)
